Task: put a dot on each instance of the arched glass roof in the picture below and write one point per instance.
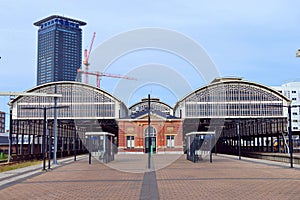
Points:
(155, 104)
(83, 102)
(232, 97)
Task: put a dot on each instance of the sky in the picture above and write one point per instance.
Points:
(256, 40)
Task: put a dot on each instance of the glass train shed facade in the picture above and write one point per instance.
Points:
(227, 106)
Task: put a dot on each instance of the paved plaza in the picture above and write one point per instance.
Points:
(225, 178)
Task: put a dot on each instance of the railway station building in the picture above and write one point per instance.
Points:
(231, 107)
(165, 129)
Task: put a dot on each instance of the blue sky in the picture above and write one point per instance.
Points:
(256, 40)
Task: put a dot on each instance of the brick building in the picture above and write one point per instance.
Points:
(165, 129)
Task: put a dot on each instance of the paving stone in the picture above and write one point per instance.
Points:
(225, 178)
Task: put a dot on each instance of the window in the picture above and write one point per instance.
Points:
(295, 128)
(294, 99)
(294, 113)
(293, 91)
(152, 132)
(130, 141)
(170, 141)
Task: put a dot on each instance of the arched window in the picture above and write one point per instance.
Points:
(152, 132)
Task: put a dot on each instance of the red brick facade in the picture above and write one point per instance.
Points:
(168, 135)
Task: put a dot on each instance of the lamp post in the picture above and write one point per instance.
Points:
(237, 131)
(55, 128)
(74, 145)
(11, 94)
(45, 130)
(290, 134)
(239, 139)
(149, 137)
(44, 137)
(10, 135)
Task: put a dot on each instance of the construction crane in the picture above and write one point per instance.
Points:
(99, 74)
(86, 55)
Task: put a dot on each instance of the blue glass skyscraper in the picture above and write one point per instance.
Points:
(59, 49)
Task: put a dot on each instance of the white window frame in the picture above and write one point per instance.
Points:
(130, 141)
(170, 140)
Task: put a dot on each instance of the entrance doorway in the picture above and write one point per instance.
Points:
(152, 135)
(153, 144)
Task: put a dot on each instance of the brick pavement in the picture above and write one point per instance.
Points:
(225, 178)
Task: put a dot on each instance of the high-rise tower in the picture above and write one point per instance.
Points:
(59, 49)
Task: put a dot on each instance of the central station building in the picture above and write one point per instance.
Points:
(165, 129)
(231, 107)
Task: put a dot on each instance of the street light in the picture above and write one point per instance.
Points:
(290, 134)
(10, 118)
(237, 129)
(239, 139)
(290, 130)
(149, 137)
(289, 107)
(45, 130)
